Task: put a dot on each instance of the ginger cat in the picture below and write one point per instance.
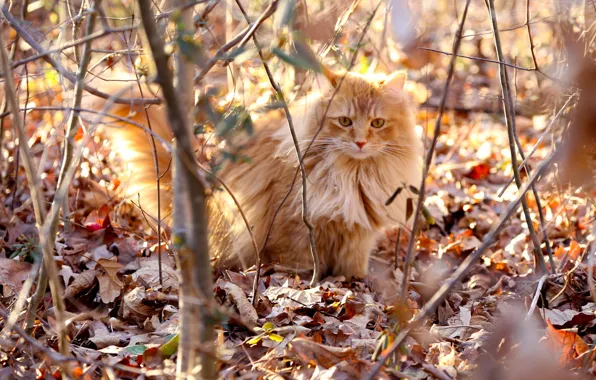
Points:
(366, 149)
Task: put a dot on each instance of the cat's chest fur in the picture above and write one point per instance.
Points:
(355, 191)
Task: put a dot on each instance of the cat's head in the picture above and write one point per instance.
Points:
(369, 115)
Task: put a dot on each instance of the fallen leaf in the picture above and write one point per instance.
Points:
(245, 308)
(108, 289)
(12, 274)
(567, 344)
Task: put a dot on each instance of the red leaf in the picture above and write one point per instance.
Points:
(478, 172)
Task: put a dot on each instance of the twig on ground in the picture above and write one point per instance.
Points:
(463, 269)
(510, 123)
(536, 296)
(428, 160)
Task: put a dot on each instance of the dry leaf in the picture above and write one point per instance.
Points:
(82, 282)
(567, 344)
(12, 274)
(109, 290)
(245, 308)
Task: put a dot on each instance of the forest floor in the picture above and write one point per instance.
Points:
(120, 315)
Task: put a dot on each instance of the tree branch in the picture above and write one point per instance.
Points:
(428, 160)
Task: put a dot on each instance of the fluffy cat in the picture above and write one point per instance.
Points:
(365, 149)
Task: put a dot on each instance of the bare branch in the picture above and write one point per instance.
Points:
(27, 37)
(38, 202)
(510, 123)
(429, 158)
(191, 232)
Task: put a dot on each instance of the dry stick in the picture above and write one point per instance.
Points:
(193, 254)
(13, 53)
(429, 156)
(16, 143)
(74, 118)
(463, 269)
(541, 219)
(27, 37)
(66, 161)
(158, 177)
(537, 144)
(532, 44)
(510, 123)
(82, 40)
(255, 287)
(21, 299)
(244, 34)
(305, 218)
(37, 198)
(592, 252)
(536, 296)
(339, 25)
(475, 58)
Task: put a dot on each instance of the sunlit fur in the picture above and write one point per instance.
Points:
(347, 185)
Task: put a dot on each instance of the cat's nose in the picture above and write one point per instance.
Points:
(360, 143)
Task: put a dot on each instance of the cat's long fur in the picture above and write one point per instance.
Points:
(347, 186)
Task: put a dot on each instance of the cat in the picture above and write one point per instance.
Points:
(362, 151)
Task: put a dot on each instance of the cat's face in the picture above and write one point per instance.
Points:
(370, 115)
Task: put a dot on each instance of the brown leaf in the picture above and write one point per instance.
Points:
(82, 282)
(133, 307)
(245, 308)
(109, 290)
(12, 274)
(566, 343)
(320, 354)
(111, 267)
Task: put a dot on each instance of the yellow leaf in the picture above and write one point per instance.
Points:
(255, 340)
(268, 326)
(276, 338)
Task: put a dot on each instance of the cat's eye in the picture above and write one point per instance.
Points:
(377, 123)
(345, 121)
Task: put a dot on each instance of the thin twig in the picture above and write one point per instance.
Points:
(510, 123)
(244, 34)
(80, 41)
(27, 37)
(536, 296)
(13, 53)
(462, 270)
(537, 144)
(37, 198)
(305, 216)
(531, 40)
(429, 156)
(73, 121)
(475, 58)
(190, 222)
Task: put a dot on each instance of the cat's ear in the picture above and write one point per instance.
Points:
(396, 80)
(332, 77)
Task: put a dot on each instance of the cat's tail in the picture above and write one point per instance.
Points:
(137, 133)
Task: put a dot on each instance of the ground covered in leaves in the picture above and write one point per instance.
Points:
(504, 319)
(122, 314)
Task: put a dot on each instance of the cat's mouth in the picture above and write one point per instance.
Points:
(360, 154)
